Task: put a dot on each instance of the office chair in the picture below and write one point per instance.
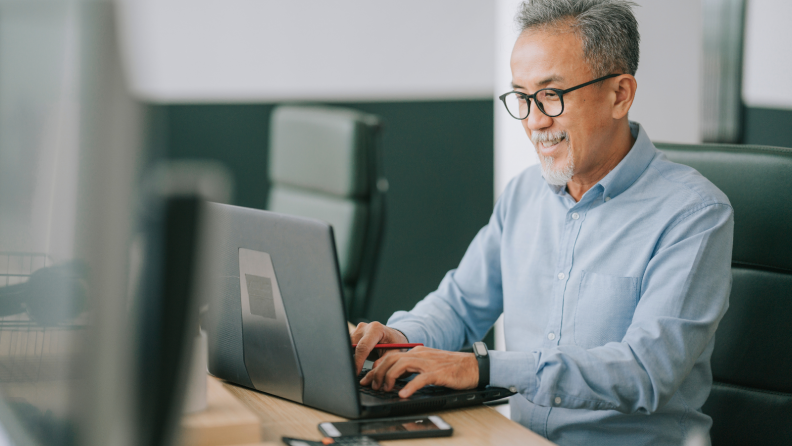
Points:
(324, 163)
(751, 399)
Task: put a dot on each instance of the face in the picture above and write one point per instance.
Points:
(576, 142)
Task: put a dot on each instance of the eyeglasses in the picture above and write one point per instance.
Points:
(549, 101)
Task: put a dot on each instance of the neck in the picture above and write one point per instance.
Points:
(621, 142)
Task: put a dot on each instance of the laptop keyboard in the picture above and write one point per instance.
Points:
(394, 393)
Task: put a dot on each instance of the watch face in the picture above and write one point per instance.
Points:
(480, 349)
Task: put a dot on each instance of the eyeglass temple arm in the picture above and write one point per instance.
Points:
(590, 82)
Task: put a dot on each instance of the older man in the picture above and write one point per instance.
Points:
(610, 264)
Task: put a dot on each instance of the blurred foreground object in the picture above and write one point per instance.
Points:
(175, 283)
(70, 139)
(52, 295)
(84, 360)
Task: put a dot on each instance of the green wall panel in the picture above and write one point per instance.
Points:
(766, 126)
(235, 135)
(438, 157)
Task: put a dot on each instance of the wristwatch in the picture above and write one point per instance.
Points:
(482, 356)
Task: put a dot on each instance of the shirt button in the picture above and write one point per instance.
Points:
(607, 198)
(575, 216)
(513, 389)
(561, 276)
(557, 400)
(551, 336)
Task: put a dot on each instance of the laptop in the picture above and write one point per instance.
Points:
(277, 322)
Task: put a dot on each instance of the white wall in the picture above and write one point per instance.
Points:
(670, 71)
(513, 150)
(767, 76)
(265, 51)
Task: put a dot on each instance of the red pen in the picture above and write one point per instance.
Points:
(394, 345)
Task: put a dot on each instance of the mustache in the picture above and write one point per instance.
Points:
(540, 137)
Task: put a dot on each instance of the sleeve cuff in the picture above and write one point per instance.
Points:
(515, 371)
(412, 331)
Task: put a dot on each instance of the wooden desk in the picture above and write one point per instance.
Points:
(479, 425)
(234, 411)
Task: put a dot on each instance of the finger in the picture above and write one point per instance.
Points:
(367, 379)
(404, 364)
(373, 334)
(391, 351)
(382, 355)
(417, 383)
(358, 332)
(380, 369)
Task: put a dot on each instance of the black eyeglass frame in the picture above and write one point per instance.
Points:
(557, 91)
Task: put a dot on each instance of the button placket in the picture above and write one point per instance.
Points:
(553, 329)
(573, 223)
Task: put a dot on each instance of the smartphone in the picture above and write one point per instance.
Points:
(390, 428)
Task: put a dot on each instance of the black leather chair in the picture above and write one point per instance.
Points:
(751, 399)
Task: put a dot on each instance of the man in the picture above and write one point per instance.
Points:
(610, 264)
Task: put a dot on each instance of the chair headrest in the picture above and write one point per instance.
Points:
(323, 149)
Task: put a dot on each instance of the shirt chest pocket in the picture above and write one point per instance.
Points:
(605, 308)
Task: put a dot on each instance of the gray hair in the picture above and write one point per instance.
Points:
(607, 29)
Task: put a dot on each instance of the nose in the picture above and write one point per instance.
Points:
(537, 120)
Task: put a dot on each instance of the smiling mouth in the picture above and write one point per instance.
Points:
(549, 146)
(552, 142)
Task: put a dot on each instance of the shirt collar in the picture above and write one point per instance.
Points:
(627, 171)
(631, 166)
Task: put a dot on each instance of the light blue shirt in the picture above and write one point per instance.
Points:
(610, 304)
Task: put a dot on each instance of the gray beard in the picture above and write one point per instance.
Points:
(554, 176)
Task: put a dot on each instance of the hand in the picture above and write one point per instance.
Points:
(443, 368)
(367, 336)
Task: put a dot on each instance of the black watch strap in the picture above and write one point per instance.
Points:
(482, 356)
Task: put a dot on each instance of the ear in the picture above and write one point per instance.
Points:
(624, 95)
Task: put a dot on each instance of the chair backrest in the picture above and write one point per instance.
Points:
(324, 163)
(751, 399)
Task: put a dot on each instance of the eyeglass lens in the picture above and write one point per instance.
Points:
(548, 102)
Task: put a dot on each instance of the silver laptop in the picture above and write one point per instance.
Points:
(278, 325)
